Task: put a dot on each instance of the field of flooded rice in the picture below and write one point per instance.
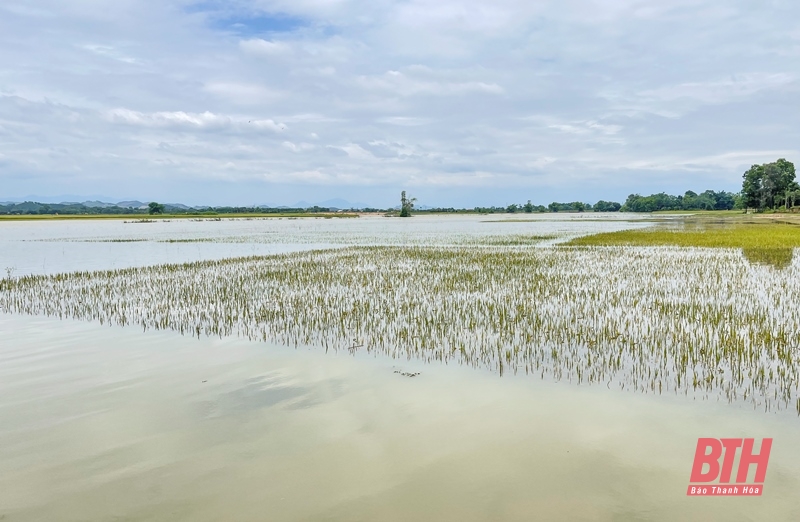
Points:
(36, 247)
(655, 320)
(350, 369)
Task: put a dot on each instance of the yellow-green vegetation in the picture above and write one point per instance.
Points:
(700, 212)
(738, 235)
(701, 322)
(777, 257)
(512, 239)
(765, 242)
(548, 219)
(146, 217)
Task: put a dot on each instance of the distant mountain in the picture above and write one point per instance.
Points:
(131, 204)
(96, 204)
(102, 203)
(27, 206)
(136, 204)
(64, 199)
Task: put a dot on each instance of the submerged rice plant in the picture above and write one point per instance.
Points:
(777, 257)
(701, 322)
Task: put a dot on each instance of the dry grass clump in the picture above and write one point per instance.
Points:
(655, 320)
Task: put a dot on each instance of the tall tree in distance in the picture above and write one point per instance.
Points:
(155, 208)
(406, 205)
(767, 185)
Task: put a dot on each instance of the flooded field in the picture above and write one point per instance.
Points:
(352, 371)
(34, 247)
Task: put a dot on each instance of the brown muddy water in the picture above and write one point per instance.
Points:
(109, 423)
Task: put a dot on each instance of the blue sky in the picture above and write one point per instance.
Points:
(460, 103)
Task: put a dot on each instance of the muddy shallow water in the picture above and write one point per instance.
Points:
(112, 423)
(109, 423)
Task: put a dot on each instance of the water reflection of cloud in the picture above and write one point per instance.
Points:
(264, 392)
(254, 394)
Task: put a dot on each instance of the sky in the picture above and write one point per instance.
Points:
(461, 103)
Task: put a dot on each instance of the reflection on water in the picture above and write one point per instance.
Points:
(109, 423)
(775, 257)
(256, 393)
(36, 247)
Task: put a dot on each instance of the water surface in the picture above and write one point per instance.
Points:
(100, 423)
(112, 423)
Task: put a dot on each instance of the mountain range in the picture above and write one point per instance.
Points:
(105, 202)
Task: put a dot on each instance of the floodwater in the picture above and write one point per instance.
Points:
(36, 247)
(112, 423)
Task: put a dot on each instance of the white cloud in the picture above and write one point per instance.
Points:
(110, 52)
(733, 160)
(491, 98)
(242, 93)
(405, 85)
(297, 147)
(719, 91)
(675, 100)
(180, 119)
(310, 118)
(260, 47)
(406, 121)
(585, 127)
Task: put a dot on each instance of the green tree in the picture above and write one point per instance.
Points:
(606, 206)
(722, 200)
(406, 205)
(751, 186)
(528, 207)
(766, 186)
(791, 197)
(155, 208)
(652, 203)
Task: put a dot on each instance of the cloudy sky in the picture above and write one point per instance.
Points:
(460, 102)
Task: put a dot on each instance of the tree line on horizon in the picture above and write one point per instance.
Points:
(575, 206)
(769, 186)
(708, 200)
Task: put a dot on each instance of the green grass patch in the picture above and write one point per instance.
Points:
(768, 243)
(746, 235)
(777, 257)
(702, 212)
